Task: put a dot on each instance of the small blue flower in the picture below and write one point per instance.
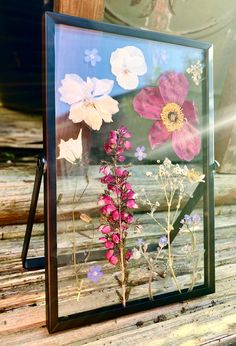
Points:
(163, 241)
(94, 273)
(187, 219)
(196, 218)
(140, 154)
(139, 242)
(92, 56)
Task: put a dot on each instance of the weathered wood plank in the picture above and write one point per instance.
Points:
(19, 130)
(18, 200)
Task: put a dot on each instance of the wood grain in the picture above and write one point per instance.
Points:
(90, 9)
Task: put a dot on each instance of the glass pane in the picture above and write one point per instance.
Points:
(129, 124)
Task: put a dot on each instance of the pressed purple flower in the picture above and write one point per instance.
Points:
(92, 56)
(187, 219)
(139, 242)
(196, 218)
(140, 154)
(94, 273)
(163, 241)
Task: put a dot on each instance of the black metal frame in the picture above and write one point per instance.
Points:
(54, 322)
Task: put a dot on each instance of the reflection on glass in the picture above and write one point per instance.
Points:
(129, 157)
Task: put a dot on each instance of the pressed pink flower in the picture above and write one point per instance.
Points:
(104, 200)
(113, 260)
(105, 229)
(127, 145)
(108, 209)
(124, 132)
(124, 216)
(108, 254)
(115, 215)
(108, 149)
(121, 158)
(105, 170)
(119, 171)
(115, 238)
(175, 117)
(130, 219)
(130, 194)
(109, 244)
(107, 179)
(102, 239)
(128, 186)
(131, 203)
(120, 150)
(128, 254)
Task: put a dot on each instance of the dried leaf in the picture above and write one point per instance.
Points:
(118, 280)
(59, 198)
(127, 293)
(86, 218)
(119, 296)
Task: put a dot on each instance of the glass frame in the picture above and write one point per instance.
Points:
(54, 322)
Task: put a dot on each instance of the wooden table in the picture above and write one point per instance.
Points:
(209, 320)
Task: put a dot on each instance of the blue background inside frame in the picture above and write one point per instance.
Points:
(71, 43)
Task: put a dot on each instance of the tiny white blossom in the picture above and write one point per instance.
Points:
(148, 174)
(196, 71)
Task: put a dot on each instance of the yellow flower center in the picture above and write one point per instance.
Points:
(172, 117)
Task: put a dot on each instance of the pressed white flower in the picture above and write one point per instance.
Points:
(127, 64)
(148, 174)
(89, 100)
(196, 71)
(195, 177)
(72, 149)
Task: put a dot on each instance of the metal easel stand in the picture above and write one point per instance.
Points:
(36, 262)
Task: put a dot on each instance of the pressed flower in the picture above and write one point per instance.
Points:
(196, 70)
(105, 170)
(105, 229)
(175, 117)
(128, 254)
(104, 200)
(131, 203)
(109, 253)
(94, 273)
(191, 219)
(92, 56)
(139, 242)
(72, 149)
(89, 100)
(115, 215)
(127, 64)
(113, 260)
(115, 238)
(102, 239)
(117, 203)
(140, 153)
(108, 209)
(163, 241)
(195, 177)
(109, 244)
